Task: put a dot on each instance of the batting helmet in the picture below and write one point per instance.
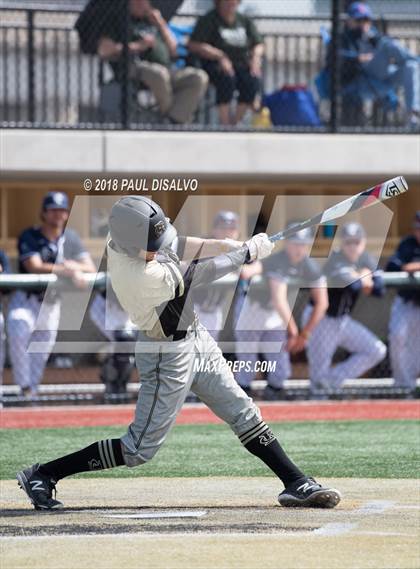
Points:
(55, 200)
(138, 223)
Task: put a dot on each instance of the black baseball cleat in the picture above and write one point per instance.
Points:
(39, 488)
(308, 493)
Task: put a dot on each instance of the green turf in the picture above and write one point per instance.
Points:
(385, 449)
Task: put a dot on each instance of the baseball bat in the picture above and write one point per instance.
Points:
(379, 193)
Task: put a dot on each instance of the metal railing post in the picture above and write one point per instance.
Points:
(335, 65)
(125, 101)
(31, 67)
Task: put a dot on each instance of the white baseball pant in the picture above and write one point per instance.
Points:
(366, 350)
(28, 321)
(108, 316)
(168, 372)
(404, 342)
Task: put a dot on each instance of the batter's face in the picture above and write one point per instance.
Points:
(296, 251)
(353, 248)
(55, 218)
(226, 233)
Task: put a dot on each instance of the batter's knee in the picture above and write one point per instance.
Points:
(246, 420)
(137, 457)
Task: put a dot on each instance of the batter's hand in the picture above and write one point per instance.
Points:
(260, 247)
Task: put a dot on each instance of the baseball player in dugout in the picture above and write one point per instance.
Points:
(350, 272)
(275, 333)
(152, 271)
(404, 325)
(34, 316)
(209, 301)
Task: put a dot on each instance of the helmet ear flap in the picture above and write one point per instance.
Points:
(137, 223)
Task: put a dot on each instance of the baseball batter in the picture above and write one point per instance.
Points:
(35, 316)
(350, 272)
(404, 324)
(153, 286)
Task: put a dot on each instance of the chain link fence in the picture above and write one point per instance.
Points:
(108, 347)
(323, 68)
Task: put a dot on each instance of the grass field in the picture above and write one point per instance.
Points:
(362, 449)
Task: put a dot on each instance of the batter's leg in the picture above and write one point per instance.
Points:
(221, 393)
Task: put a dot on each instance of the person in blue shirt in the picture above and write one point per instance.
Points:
(404, 324)
(4, 268)
(34, 316)
(350, 272)
(372, 65)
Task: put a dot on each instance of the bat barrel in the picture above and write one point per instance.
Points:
(392, 188)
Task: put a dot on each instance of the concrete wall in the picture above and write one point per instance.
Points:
(234, 155)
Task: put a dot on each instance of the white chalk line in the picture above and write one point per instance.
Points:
(158, 515)
(372, 507)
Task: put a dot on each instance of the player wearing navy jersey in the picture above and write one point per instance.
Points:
(404, 324)
(266, 324)
(35, 316)
(4, 268)
(351, 271)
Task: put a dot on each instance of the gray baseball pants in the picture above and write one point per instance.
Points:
(168, 371)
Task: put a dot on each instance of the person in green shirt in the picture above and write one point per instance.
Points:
(151, 48)
(231, 51)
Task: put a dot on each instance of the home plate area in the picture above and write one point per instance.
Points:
(194, 522)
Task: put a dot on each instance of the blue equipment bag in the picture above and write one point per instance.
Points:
(293, 105)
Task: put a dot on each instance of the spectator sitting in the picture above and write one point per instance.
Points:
(373, 64)
(151, 46)
(231, 50)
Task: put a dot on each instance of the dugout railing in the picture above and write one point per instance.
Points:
(78, 382)
(47, 82)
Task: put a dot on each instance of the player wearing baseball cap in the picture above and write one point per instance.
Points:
(153, 286)
(275, 333)
(350, 272)
(34, 316)
(404, 324)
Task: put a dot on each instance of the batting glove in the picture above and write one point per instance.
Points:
(259, 247)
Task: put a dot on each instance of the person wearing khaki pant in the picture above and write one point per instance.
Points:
(178, 92)
(151, 48)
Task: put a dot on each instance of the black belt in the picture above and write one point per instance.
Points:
(181, 334)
